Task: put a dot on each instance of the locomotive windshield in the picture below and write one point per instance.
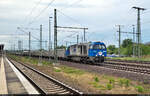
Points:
(98, 46)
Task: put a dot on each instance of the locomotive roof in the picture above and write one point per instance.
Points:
(81, 44)
(88, 43)
(98, 42)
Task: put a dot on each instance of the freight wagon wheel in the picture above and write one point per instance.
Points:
(102, 60)
(83, 61)
(92, 62)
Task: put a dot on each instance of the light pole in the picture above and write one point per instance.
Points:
(50, 44)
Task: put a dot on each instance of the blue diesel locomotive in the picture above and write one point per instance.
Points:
(87, 52)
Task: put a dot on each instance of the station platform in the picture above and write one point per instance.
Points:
(11, 81)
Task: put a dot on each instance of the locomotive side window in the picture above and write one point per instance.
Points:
(85, 49)
(74, 48)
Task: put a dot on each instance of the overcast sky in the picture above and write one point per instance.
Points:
(99, 16)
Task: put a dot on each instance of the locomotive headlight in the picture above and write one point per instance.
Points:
(100, 53)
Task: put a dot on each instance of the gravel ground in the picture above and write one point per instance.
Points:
(90, 68)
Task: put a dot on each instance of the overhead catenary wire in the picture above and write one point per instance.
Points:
(69, 17)
(34, 19)
(28, 33)
(68, 36)
(32, 10)
(74, 3)
(21, 29)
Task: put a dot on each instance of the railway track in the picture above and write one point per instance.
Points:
(127, 67)
(129, 61)
(142, 65)
(43, 83)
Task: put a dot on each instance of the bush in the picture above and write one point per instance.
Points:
(121, 82)
(127, 83)
(96, 79)
(140, 89)
(111, 81)
(109, 86)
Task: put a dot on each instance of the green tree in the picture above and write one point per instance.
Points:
(61, 47)
(128, 51)
(111, 49)
(126, 43)
(145, 49)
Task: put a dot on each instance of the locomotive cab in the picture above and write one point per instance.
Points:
(97, 51)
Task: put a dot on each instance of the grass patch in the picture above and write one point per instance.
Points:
(57, 70)
(31, 60)
(70, 70)
(97, 85)
(46, 63)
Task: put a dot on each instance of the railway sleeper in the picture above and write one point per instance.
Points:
(60, 88)
(57, 90)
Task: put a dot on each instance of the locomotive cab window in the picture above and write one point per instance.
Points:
(98, 46)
